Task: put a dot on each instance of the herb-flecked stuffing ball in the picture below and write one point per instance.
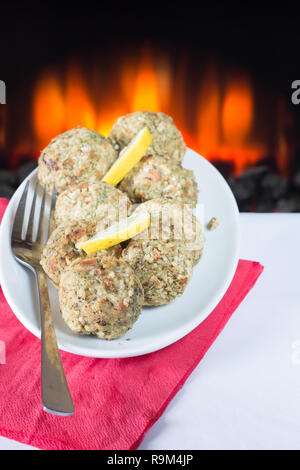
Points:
(161, 267)
(157, 176)
(163, 258)
(173, 220)
(91, 202)
(100, 296)
(62, 247)
(166, 138)
(76, 156)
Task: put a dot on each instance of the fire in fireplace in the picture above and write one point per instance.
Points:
(223, 103)
(219, 117)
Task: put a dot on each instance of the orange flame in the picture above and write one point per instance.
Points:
(78, 104)
(208, 114)
(48, 110)
(108, 117)
(220, 129)
(146, 91)
(237, 112)
(224, 125)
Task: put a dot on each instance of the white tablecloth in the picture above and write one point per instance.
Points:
(245, 393)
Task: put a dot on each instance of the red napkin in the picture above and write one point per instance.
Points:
(116, 400)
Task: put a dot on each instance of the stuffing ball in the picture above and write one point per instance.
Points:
(156, 176)
(76, 156)
(62, 246)
(161, 267)
(163, 257)
(166, 138)
(100, 296)
(172, 220)
(91, 202)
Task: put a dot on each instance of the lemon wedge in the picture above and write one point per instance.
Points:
(117, 233)
(128, 157)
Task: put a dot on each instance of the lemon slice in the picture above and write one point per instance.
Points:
(117, 233)
(128, 157)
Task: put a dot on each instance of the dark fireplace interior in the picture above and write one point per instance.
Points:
(224, 78)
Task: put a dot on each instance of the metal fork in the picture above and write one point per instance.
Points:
(56, 396)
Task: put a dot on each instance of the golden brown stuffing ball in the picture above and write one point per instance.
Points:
(62, 246)
(76, 156)
(163, 256)
(100, 296)
(157, 176)
(166, 138)
(91, 201)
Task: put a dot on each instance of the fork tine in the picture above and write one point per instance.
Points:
(19, 216)
(51, 221)
(40, 233)
(29, 234)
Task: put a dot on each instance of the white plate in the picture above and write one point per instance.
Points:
(156, 327)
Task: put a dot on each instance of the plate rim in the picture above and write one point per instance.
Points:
(176, 335)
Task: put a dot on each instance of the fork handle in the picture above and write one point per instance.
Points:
(56, 396)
